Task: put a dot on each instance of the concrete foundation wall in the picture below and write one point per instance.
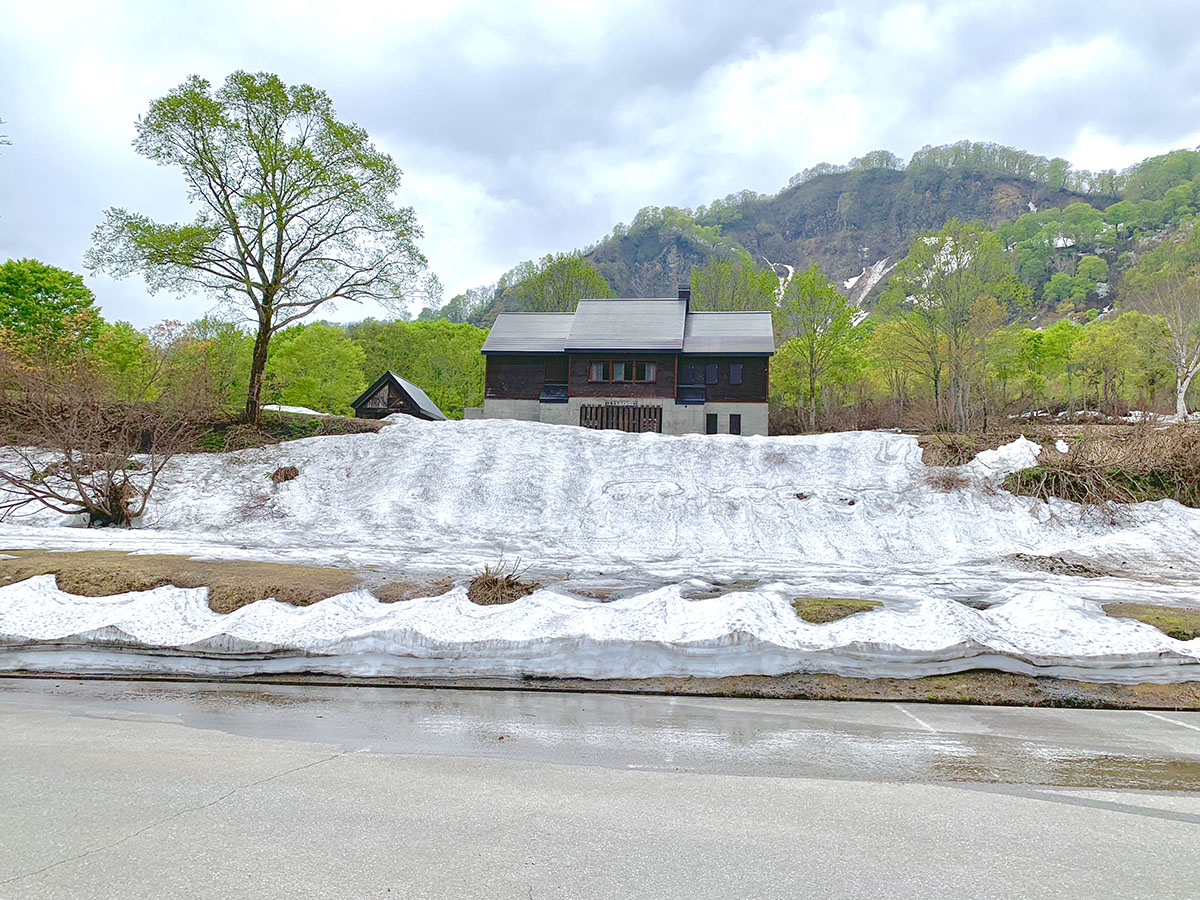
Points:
(677, 419)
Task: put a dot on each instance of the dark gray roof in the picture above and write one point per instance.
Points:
(418, 397)
(729, 332)
(653, 324)
(529, 333)
(628, 325)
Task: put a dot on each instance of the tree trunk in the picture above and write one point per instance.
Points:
(258, 365)
(1181, 388)
(812, 399)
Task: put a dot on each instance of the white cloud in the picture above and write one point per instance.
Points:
(533, 127)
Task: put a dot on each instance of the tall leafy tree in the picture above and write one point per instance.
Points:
(949, 292)
(316, 366)
(216, 354)
(554, 284)
(442, 357)
(1166, 283)
(124, 358)
(45, 309)
(296, 208)
(818, 325)
(732, 281)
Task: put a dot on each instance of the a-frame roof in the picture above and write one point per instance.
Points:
(417, 397)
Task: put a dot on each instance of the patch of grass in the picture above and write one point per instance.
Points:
(399, 591)
(231, 584)
(1173, 621)
(502, 584)
(820, 610)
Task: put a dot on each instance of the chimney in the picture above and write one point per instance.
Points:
(685, 294)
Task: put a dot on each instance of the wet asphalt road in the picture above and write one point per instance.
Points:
(115, 789)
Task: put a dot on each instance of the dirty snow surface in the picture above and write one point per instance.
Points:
(696, 546)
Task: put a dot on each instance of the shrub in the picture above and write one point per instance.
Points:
(1146, 463)
(501, 584)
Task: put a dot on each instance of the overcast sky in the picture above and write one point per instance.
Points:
(528, 128)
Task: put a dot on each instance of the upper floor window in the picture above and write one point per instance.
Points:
(556, 370)
(622, 370)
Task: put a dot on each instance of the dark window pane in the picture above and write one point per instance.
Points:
(556, 370)
(735, 373)
(735, 423)
(710, 373)
(710, 423)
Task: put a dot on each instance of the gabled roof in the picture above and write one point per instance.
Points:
(417, 397)
(662, 325)
(729, 332)
(628, 325)
(524, 332)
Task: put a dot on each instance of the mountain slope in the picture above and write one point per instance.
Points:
(853, 223)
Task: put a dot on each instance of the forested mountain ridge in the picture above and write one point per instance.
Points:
(1068, 232)
(849, 222)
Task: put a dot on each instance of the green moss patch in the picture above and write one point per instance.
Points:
(1180, 623)
(819, 610)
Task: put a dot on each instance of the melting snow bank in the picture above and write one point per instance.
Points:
(452, 496)
(658, 633)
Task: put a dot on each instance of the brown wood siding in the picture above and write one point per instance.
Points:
(753, 388)
(515, 377)
(662, 386)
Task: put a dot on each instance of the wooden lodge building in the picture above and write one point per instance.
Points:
(634, 365)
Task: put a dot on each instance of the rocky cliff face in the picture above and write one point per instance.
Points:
(854, 224)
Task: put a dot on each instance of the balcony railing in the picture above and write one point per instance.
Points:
(691, 394)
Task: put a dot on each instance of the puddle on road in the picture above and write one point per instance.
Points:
(790, 739)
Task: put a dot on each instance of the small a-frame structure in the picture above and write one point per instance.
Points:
(392, 394)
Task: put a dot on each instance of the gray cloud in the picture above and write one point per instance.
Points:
(533, 127)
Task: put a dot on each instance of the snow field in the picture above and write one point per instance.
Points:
(830, 515)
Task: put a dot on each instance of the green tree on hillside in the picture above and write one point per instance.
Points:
(216, 354)
(1166, 283)
(295, 208)
(817, 324)
(315, 366)
(44, 309)
(732, 281)
(948, 293)
(125, 359)
(556, 283)
(1106, 356)
(443, 358)
(884, 355)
